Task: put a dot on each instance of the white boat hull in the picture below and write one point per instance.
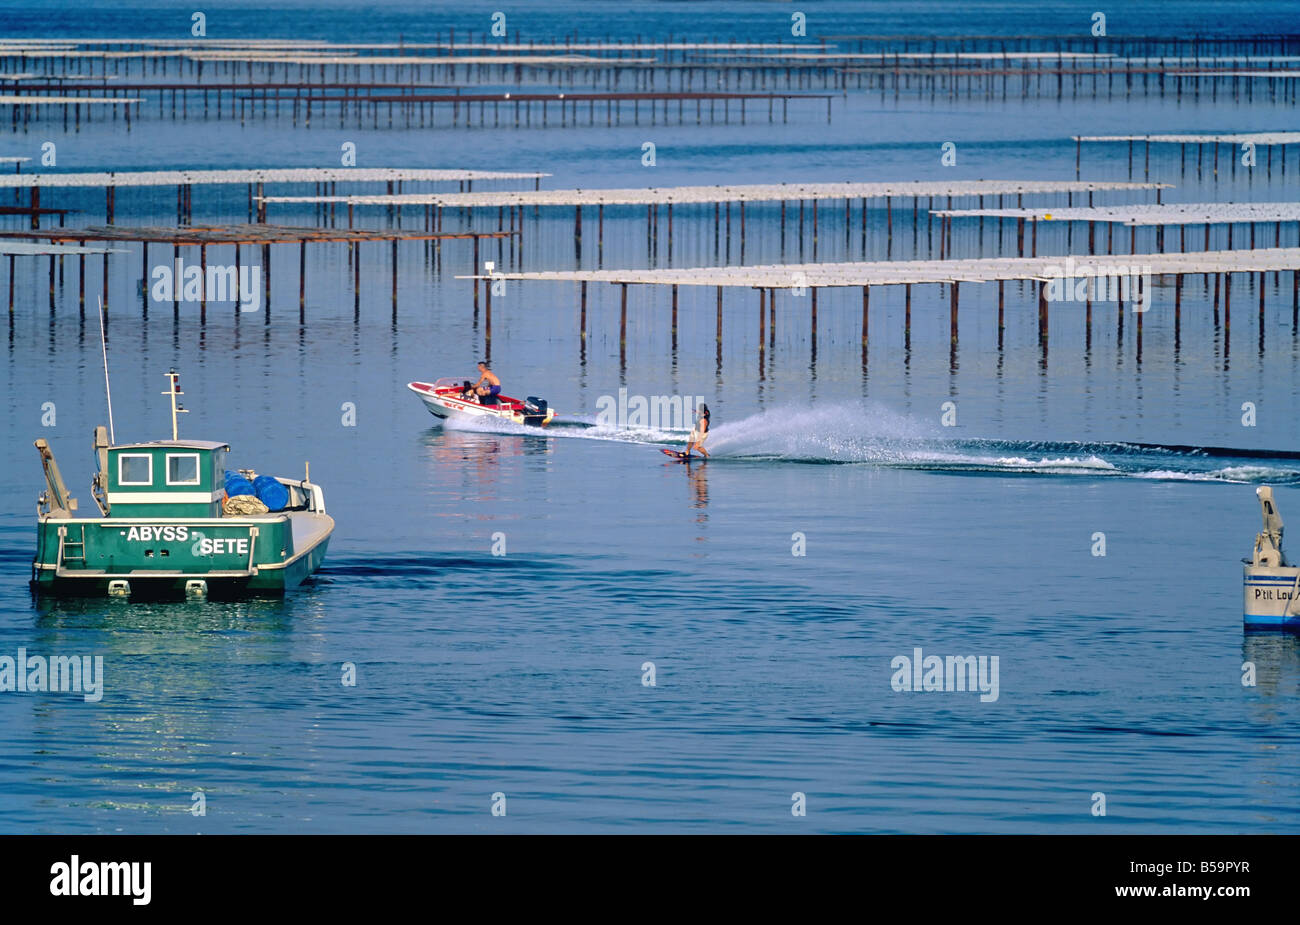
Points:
(436, 407)
(1269, 592)
(442, 399)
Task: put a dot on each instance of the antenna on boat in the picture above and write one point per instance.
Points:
(108, 394)
(173, 383)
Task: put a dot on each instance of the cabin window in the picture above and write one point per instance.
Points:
(182, 468)
(135, 469)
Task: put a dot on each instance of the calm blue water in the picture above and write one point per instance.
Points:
(522, 674)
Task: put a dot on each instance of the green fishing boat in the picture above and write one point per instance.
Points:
(176, 524)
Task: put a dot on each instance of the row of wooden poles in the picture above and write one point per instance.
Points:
(806, 218)
(1036, 79)
(794, 215)
(417, 106)
(608, 74)
(185, 202)
(611, 68)
(522, 110)
(1123, 45)
(354, 264)
(483, 42)
(510, 235)
(511, 219)
(23, 114)
(421, 109)
(1234, 149)
(802, 217)
(1159, 233)
(1222, 302)
(511, 231)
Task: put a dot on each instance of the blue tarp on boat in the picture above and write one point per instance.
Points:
(237, 485)
(270, 492)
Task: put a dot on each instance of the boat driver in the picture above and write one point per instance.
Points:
(488, 386)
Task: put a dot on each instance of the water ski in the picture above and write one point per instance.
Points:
(677, 455)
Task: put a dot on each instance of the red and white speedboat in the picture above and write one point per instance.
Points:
(444, 398)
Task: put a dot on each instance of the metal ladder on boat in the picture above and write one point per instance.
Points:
(71, 550)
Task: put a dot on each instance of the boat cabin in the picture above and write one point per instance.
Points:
(167, 478)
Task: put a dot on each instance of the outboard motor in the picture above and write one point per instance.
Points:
(535, 410)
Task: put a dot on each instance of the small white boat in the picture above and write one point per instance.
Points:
(446, 397)
(1272, 585)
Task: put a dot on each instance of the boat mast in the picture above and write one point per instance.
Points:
(173, 383)
(108, 394)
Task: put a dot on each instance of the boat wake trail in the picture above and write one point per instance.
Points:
(879, 437)
(572, 426)
(876, 436)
